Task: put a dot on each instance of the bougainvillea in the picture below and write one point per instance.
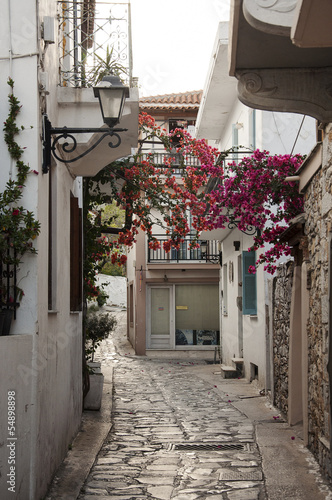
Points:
(156, 190)
(254, 193)
(160, 187)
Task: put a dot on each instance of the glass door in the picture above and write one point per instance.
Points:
(160, 318)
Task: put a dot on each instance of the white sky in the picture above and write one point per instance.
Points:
(173, 42)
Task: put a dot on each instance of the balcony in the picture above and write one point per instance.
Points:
(94, 39)
(184, 254)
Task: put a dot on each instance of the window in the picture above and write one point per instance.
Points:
(249, 284)
(52, 240)
(76, 292)
(180, 124)
(196, 315)
(235, 141)
(131, 304)
(224, 290)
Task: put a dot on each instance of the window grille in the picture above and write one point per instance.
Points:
(94, 37)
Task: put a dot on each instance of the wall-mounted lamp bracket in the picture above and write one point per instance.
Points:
(52, 136)
(249, 230)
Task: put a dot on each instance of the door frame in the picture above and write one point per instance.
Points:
(171, 315)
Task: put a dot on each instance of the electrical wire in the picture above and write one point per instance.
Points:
(277, 129)
(298, 134)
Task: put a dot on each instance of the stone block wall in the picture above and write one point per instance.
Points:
(318, 209)
(282, 292)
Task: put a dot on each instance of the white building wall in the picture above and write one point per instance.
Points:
(41, 360)
(278, 133)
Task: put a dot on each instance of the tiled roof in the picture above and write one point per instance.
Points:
(183, 100)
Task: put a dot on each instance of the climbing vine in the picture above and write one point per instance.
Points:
(18, 226)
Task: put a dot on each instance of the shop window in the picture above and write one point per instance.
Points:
(196, 315)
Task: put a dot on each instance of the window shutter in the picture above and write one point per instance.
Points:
(252, 129)
(76, 295)
(249, 284)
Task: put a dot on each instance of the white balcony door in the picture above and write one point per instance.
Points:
(160, 318)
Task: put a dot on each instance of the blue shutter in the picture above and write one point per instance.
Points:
(235, 142)
(252, 129)
(249, 284)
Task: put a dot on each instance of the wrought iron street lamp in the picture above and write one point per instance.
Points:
(112, 95)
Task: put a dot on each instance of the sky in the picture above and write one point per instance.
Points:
(172, 42)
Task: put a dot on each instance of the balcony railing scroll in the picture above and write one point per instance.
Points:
(184, 253)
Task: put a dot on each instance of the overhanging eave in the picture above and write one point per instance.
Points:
(276, 75)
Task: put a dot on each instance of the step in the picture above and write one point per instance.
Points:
(238, 365)
(237, 361)
(228, 371)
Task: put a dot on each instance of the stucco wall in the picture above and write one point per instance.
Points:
(116, 289)
(42, 358)
(253, 346)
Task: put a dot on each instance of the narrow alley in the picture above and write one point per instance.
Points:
(181, 432)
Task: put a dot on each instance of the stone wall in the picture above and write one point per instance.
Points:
(282, 292)
(318, 208)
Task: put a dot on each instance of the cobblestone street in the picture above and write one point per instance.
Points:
(175, 435)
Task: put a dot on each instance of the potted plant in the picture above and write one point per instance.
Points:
(98, 327)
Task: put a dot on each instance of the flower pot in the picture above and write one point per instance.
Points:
(94, 366)
(7, 315)
(2, 320)
(92, 400)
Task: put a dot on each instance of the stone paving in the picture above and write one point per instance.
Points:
(174, 436)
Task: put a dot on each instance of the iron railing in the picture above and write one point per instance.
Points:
(184, 252)
(176, 161)
(8, 280)
(89, 31)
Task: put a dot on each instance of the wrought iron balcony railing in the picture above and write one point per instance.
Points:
(94, 37)
(184, 253)
(176, 161)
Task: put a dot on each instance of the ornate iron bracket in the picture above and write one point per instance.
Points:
(249, 230)
(51, 146)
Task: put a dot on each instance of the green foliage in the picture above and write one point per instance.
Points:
(100, 214)
(102, 298)
(112, 215)
(98, 327)
(18, 226)
(113, 269)
(107, 65)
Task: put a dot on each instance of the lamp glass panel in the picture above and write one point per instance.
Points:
(112, 102)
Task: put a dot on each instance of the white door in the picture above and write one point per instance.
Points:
(160, 320)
